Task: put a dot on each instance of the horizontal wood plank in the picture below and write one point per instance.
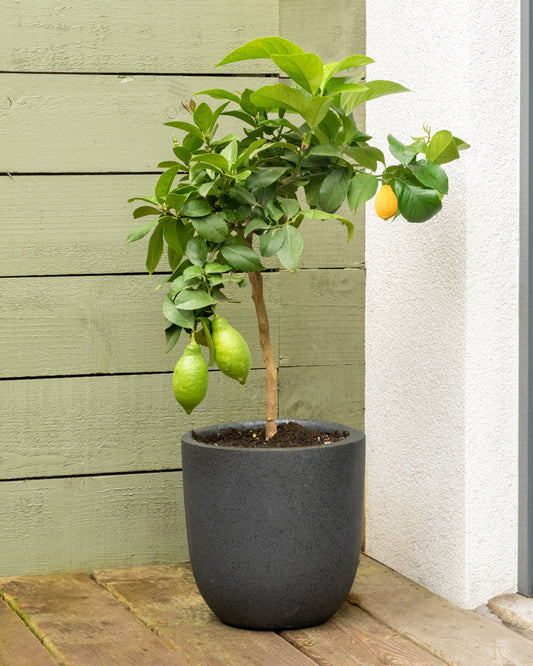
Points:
(80, 623)
(452, 634)
(352, 636)
(333, 33)
(78, 225)
(167, 599)
(131, 35)
(97, 123)
(109, 324)
(83, 523)
(323, 317)
(331, 393)
(102, 324)
(18, 646)
(108, 424)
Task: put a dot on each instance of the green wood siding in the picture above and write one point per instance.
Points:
(89, 429)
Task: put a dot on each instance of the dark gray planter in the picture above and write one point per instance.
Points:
(274, 534)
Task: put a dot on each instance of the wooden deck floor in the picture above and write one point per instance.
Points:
(155, 616)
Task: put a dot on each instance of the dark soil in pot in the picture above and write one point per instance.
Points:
(274, 533)
(289, 434)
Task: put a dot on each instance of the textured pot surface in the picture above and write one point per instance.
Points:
(274, 534)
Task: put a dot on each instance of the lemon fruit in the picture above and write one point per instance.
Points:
(231, 351)
(386, 203)
(190, 378)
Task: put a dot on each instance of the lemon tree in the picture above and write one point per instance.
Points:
(224, 203)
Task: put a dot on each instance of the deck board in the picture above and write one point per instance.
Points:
(451, 633)
(155, 615)
(82, 624)
(167, 599)
(352, 636)
(18, 647)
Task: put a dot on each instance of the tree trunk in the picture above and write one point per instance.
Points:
(271, 380)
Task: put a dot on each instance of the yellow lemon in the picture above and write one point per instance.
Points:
(386, 203)
(190, 378)
(231, 351)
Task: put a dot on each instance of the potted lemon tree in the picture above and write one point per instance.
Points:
(273, 508)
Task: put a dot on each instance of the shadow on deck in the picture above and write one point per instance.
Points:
(155, 616)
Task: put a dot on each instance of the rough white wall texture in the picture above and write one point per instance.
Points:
(442, 305)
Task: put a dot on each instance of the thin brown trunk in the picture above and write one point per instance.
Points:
(271, 381)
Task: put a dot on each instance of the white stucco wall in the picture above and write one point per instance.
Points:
(442, 305)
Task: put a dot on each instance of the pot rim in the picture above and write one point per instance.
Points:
(352, 436)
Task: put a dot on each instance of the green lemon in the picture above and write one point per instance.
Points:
(231, 351)
(190, 378)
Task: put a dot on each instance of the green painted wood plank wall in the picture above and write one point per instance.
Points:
(89, 429)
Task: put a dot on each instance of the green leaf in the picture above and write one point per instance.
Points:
(214, 267)
(336, 86)
(431, 175)
(290, 207)
(190, 299)
(192, 272)
(182, 318)
(206, 189)
(442, 148)
(229, 153)
(250, 150)
(143, 211)
(241, 258)
(327, 150)
(322, 215)
(196, 208)
(242, 194)
(362, 188)
(255, 225)
(316, 110)
(192, 142)
(263, 47)
(176, 234)
(152, 200)
(197, 251)
(280, 96)
(187, 127)
(265, 177)
(182, 154)
(346, 63)
(140, 232)
(334, 189)
(164, 183)
(461, 145)
(219, 93)
(241, 115)
(271, 242)
(210, 161)
(174, 258)
(374, 89)
(175, 201)
(172, 335)
(155, 249)
(202, 117)
(305, 69)
(167, 164)
(367, 156)
(416, 204)
(404, 154)
(213, 228)
(290, 252)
